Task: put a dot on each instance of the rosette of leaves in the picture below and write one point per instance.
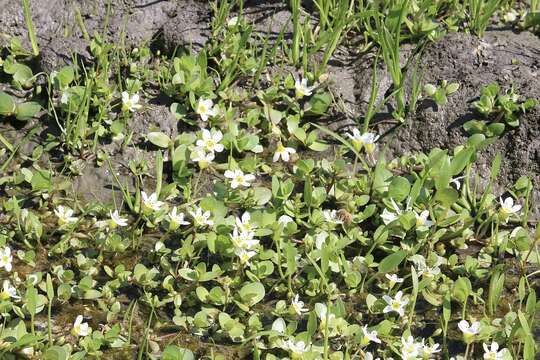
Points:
(500, 110)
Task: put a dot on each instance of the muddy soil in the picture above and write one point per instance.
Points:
(502, 56)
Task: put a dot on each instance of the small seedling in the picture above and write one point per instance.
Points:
(440, 93)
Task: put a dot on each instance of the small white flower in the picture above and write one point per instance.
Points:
(151, 202)
(6, 259)
(65, 97)
(243, 240)
(492, 352)
(176, 218)
(116, 220)
(298, 305)
(244, 255)
(285, 219)
(238, 178)
(469, 331)
(456, 182)
(80, 328)
(511, 16)
(410, 348)
(210, 141)
(508, 208)
(371, 336)
(422, 219)
(202, 157)
(232, 21)
(331, 216)
(245, 224)
(428, 351)
(283, 153)
(366, 140)
(201, 218)
(8, 291)
(369, 356)
(394, 279)
(65, 215)
(130, 103)
(297, 348)
(302, 89)
(397, 304)
(205, 109)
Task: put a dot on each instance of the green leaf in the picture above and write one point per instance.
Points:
(26, 111)
(262, 195)
(318, 104)
(173, 352)
(252, 293)
(56, 353)
(462, 289)
(399, 188)
(391, 262)
(7, 104)
(159, 139)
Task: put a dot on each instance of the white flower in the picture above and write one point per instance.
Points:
(6, 259)
(8, 291)
(370, 335)
(298, 305)
(200, 218)
(243, 240)
(65, 97)
(394, 279)
(130, 103)
(428, 350)
(238, 178)
(205, 109)
(369, 356)
(285, 219)
(410, 348)
(388, 216)
(302, 89)
(151, 202)
(297, 348)
(283, 153)
(210, 141)
(510, 16)
(397, 304)
(245, 224)
(492, 352)
(422, 219)
(116, 220)
(331, 216)
(508, 208)
(176, 218)
(366, 140)
(65, 215)
(244, 255)
(200, 156)
(456, 182)
(232, 21)
(469, 331)
(80, 328)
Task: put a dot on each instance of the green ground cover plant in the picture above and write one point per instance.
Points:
(257, 230)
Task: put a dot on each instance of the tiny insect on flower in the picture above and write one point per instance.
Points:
(130, 103)
(283, 153)
(6, 259)
(65, 215)
(80, 328)
(210, 141)
(238, 178)
(205, 109)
